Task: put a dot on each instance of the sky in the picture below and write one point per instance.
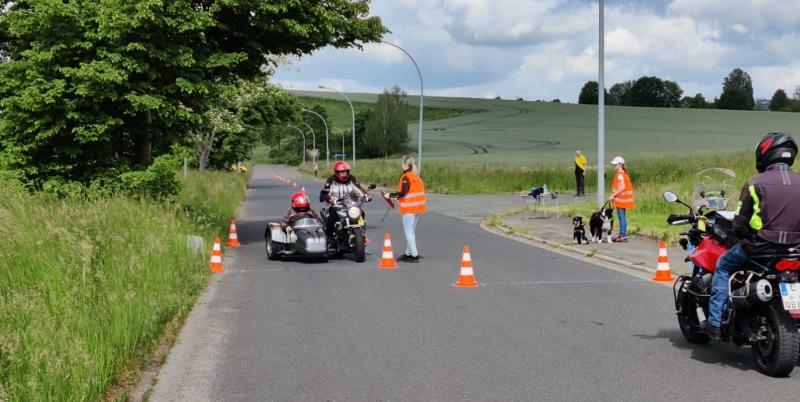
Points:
(546, 49)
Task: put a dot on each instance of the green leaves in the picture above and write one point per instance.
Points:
(98, 85)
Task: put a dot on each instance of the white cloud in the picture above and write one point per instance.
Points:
(543, 49)
(385, 53)
(620, 41)
(739, 28)
(775, 77)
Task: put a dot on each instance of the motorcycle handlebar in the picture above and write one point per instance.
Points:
(680, 219)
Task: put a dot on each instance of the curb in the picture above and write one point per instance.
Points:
(573, 250)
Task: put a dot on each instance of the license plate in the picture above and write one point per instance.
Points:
(790, 294)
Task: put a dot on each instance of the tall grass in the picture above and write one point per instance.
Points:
(86, 284)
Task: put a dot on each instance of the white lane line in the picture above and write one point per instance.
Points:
(562, 282)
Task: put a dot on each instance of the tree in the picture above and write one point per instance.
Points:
(648, 91)
(387, 127)
(268, 105)
(362, 117)
(619, 94)
(737, 91)
(672, 94)
(91, 87)
(698, 102)
(589, 92)
(779, 100)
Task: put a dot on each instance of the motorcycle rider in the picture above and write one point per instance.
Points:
(301, 208)
(339, 185)
(767, 218)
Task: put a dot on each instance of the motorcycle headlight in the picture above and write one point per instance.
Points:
(354, 212)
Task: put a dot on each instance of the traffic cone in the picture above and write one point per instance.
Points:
(387, 259)
(303, 190)
(294, 184)
(467, 277)
(233, 240)
(663, 273)
(216, 257)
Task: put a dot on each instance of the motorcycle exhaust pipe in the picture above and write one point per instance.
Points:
(701, 315)
(753, 294)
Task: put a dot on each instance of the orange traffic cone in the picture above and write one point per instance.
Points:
(233, 239)
(387, 259)
(467, 277)
(663, 273)
(216, 257)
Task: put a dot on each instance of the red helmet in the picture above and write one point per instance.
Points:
(341, 166)
(300, 202)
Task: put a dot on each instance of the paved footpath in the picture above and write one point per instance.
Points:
(544, 326)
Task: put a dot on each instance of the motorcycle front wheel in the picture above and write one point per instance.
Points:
(359, 251)
(776, 353)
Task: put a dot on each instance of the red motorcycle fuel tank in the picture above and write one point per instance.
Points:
(707, 253)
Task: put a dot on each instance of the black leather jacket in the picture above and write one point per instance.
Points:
(768, 216)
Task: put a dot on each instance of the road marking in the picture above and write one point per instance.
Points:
(562, 282)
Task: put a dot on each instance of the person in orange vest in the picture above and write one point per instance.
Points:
(412, 203)
(621, 197)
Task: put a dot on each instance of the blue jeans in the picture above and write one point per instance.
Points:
(623, 222)
(730, 262)
(410, 230)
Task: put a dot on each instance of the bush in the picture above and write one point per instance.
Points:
(158, 181)
(63, 188)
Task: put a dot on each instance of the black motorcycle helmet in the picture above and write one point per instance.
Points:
(775, 148)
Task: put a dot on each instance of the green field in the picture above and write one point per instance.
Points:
(533, 133)
(339, 115)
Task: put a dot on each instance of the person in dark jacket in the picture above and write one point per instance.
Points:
(301, 208)
(339, 185)
(767, 219)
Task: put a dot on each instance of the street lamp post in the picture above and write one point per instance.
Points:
(353, 114)
(601, 111)
(313, 140)
(327, 150)
(421, 96)
(304, 141)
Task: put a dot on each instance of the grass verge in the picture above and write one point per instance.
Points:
(87, 285)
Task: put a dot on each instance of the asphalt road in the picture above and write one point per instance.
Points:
(542, 327)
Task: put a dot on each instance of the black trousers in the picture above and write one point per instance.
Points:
(579, 181)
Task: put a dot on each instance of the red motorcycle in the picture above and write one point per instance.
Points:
(764, 296)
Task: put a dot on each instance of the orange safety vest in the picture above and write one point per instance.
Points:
(414, 202)
(624, 199)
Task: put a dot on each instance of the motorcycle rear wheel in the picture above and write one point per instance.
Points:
(777, 355)
(687, 321)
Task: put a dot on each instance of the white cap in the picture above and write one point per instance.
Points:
(618, 160)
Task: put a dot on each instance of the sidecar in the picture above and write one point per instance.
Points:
(306, 239)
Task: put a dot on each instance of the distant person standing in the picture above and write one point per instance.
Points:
(412, 203)
(580, 173)
(621, 197)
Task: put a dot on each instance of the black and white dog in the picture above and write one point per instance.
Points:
(601, 222)
(578, 231)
